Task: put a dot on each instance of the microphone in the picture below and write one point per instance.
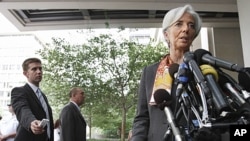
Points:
(235, 94)
(244, 81)
(163, 101)
(244, 78)
(200, 79)
(203, 89)
(224, 78)
(211, 75)
(230, 86)
(178, 73)
(203, 57)
(180, 77)
(173, 73)
(173, 68)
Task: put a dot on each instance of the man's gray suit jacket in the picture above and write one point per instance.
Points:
(73, 125)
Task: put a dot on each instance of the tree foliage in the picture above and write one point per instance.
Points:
(107, 67)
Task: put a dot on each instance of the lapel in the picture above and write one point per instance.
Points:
(150, 78)
(32, 94)
(155, 67)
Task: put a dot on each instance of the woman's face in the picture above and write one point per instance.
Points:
(181, 34)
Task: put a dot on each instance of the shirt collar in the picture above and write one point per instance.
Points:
(75, 105)
(33, 87)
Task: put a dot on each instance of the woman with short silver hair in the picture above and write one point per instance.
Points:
(180, 27)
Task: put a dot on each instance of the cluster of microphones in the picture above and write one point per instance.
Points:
(204, 98)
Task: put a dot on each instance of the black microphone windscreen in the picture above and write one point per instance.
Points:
(226, 78)
(223, 80)
(162, 96)
(198, 55)
(173, 68)
(244, 79)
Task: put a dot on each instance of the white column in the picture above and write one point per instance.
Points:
(244, 11)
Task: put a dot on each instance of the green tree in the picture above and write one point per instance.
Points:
(108, 67)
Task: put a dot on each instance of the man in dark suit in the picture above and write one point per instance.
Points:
(29, 109)
(73, 125)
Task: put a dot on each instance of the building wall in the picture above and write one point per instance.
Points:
(225, 43)
(243, 10)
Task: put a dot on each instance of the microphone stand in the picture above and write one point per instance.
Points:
(174, 128)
